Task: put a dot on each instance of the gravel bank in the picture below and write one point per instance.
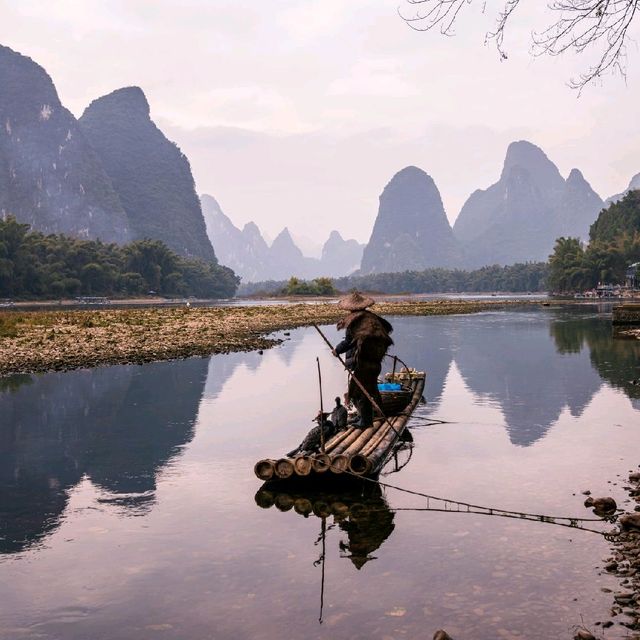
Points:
(32, 342)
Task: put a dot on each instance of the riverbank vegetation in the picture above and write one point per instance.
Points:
(316, 287)
(36, 266)
(614, 244)
(527, 277)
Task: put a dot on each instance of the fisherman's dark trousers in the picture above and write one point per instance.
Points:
(365, 409)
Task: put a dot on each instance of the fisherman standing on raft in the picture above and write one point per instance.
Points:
(365, 345)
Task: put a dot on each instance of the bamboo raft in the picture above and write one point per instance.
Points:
(355, 451)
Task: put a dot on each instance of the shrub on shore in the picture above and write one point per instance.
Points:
(317, 287)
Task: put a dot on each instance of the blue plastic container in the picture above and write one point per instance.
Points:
(389, 386)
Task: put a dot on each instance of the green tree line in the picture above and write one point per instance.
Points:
(614, 244)
(316, 287)
(527, 277)
(34, 265)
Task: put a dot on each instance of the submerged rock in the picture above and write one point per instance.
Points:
(601, 506)
(441, 634)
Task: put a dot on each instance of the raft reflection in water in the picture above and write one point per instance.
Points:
(362, 513)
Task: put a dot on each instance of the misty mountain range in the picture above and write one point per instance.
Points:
(112, 174)
(248, 254)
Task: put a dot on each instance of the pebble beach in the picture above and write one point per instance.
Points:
(40, 341)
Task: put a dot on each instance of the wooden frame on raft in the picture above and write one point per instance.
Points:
(352, 451)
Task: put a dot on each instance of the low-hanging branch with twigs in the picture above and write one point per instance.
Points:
(580, 25)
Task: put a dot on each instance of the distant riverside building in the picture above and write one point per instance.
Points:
(632, 279)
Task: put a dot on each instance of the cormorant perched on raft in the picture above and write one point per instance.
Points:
(312, 441)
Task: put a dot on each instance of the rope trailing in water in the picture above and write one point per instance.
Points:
(571, 523)
(476, 508)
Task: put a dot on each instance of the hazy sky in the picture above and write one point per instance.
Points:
(298, 112)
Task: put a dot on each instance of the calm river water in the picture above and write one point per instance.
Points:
(129, 508)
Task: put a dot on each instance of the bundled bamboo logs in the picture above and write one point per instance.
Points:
(339, 463)
(264, 469)
(321, 462)
(303, 465)
(362, 452)
(283, 468)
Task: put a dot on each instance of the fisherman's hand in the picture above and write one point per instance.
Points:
(335, 353)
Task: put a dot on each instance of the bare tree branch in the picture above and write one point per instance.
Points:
(602, 25)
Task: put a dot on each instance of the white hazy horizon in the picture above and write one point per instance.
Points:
(297, 113)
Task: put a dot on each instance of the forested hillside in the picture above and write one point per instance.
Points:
(34, 265)
(619, 219)
(150, 174)
(526, 277)
(614, 245)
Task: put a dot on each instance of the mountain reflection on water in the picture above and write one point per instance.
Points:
(119, 426)
(127, 497)
(510, 362)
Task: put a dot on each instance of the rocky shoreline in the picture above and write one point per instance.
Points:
(624, 563)
(36, 342)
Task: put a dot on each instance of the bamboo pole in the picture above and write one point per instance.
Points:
(338, 438)
(339, 463)
(375, 438)
(346, 442)
(302, 465)
(321, 423)
(371, 456)
(283, 468)
(377, 456)
(403, 417)
(388, 436)
(371, 445)
(361, 440)
(264, 469)
(360, 465)
(321, 462)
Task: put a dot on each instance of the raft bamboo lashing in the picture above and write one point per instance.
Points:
(337, 439)
(354, 451)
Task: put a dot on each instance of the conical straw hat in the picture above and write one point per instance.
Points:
(355, 302)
